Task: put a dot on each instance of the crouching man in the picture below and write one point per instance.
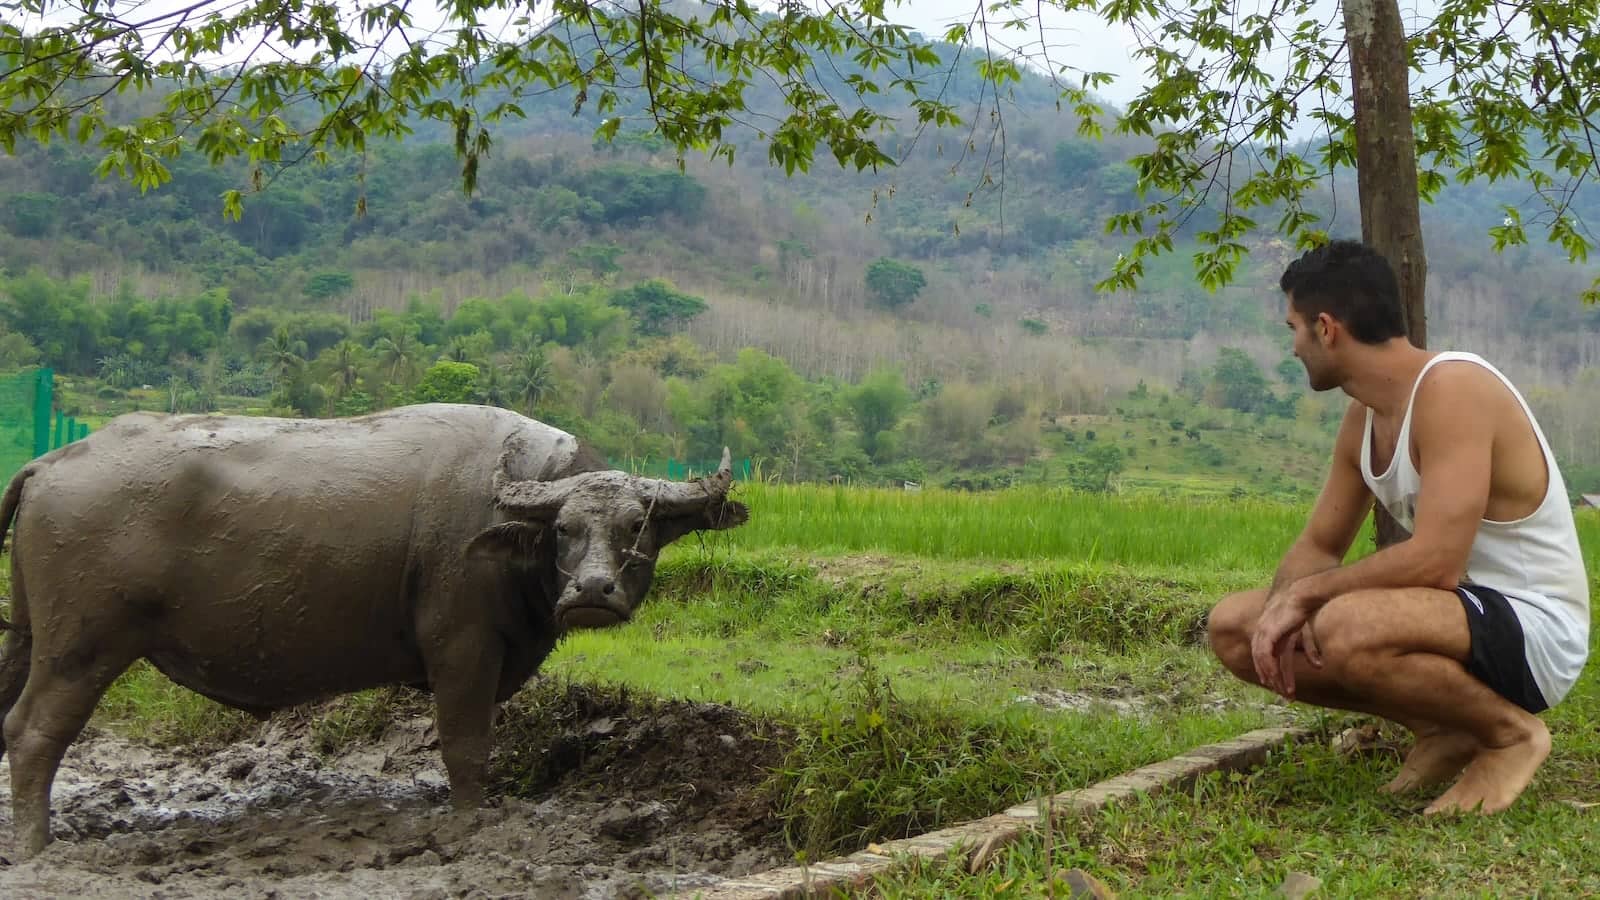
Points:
(1478, 621)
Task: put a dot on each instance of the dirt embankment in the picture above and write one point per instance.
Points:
(598, 797)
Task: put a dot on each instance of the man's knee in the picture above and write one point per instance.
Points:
(1353, 650)
(1220, 628)
(1228, 628)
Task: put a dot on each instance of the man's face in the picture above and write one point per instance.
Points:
(1309, 348)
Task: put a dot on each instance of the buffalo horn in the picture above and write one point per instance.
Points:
(528, 498)
(672, 497)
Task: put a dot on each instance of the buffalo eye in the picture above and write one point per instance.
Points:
(563, 530)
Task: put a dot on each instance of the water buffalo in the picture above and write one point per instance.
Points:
(268, 562)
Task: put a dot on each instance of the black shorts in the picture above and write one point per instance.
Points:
(1499, 657)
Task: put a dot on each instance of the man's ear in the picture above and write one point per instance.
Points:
(508, 540)
(1329, 323)
(716, 517)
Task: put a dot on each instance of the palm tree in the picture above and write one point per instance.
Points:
(493, 388)
(533, 379)
(460, 350)
(284, 356)
(117, 370)
(345, 366)
(398, 353)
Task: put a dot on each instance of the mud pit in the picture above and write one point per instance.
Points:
(599, 797)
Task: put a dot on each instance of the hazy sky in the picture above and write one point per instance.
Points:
(1077, 38)
(1080, 39)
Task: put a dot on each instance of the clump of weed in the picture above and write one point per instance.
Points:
(358, 718)
(687, 576)
(1106, 608)
(1118, 612)
(992, 602)
(875, 767)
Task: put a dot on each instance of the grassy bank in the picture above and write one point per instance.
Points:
(946, 653)
(1315, 811)
(925, 691)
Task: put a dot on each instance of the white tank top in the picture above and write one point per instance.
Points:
(1534, 561)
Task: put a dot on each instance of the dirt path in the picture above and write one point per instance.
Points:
(617, 802)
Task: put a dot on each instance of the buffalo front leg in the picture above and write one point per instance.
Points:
(464, 677)
(53, 708)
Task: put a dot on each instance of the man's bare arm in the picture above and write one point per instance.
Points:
(1452, 427)
(1340, 509)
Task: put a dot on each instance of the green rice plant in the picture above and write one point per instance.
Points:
(1021, 524)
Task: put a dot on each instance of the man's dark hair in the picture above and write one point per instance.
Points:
(1350, 282)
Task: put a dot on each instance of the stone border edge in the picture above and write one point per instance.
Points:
(980, 839)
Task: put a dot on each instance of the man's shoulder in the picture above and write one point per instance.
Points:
(1461, 376)
(1455, 400)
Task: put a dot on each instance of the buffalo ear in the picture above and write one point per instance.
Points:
(508, 540)
(716, 516)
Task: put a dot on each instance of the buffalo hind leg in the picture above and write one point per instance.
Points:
(13, 674)
(48, 716)
(464, 678)
(16, 655)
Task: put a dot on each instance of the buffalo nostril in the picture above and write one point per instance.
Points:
(609, 588)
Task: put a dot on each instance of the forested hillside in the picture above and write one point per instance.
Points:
(917, 323)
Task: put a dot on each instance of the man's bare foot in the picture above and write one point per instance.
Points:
(1497, 775)
(1436, 758)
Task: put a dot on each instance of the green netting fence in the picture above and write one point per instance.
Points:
(29, 424)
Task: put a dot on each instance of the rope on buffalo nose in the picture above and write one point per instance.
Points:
(634, 553)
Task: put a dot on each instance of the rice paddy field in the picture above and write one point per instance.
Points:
(939, 656)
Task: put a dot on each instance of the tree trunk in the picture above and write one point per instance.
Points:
(1386, 168)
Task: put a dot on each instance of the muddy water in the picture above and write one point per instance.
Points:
(629, 804)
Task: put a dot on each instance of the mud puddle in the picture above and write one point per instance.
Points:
(597, 797)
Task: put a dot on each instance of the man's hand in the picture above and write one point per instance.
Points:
(1285, 625)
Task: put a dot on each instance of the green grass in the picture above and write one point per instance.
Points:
(145, 705)
(1313, 811)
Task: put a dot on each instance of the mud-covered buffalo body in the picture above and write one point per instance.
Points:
(267, 562)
